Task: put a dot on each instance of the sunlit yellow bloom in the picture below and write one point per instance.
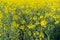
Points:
(27, 6)
(23, 21)
(14, 9)
(27, 11)
(43, 23)
(22, 27)
(6, 9)
(5, 27)
(54, 16)
(42, 35)
(1, 15)
(36, 33)
(14, 24)
(30, 26)
(57, 22)
(48, 14)
(38, 14)
(34, 18)
(22, 6)
(53, 8)
(41, 16)
(33, 5)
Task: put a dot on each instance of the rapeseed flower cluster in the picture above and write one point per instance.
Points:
(28, 20)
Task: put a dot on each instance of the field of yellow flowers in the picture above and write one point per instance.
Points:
(29, 20)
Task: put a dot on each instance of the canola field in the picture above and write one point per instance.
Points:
(29, 19)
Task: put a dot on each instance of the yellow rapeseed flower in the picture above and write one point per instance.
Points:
(5, 27)
(22, 27)
(6, 9)
(1, 15)
(22, 6)
(14, 9)
(57, 22)
(33, 5)
(55, 17)
(41, 17)
(38, 14)
(27, 11)
(30, 26)
(14, 24)
(41, 35)
(34, 18)
(36, 33)
(23, 21)
(43, 23)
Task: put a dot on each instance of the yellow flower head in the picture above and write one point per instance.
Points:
(27, 11)
(30, 26)
(5, 27)
(14, 24)
(22, 27)
(36, 33)
(6, 9)
(41, 16)
(38, 14)
(34, 18)
(57, 22)
(1, 15)
(23, 21)
(41, 35)
(43, 23)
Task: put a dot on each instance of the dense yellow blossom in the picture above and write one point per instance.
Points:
(28, 19)
(43, 23)
(1, 15)
(57, 22)
(48, 14)
(36, 33)
(41, 17)
(6, 9)
(34, 18)
(31, 26)
(14, 24)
